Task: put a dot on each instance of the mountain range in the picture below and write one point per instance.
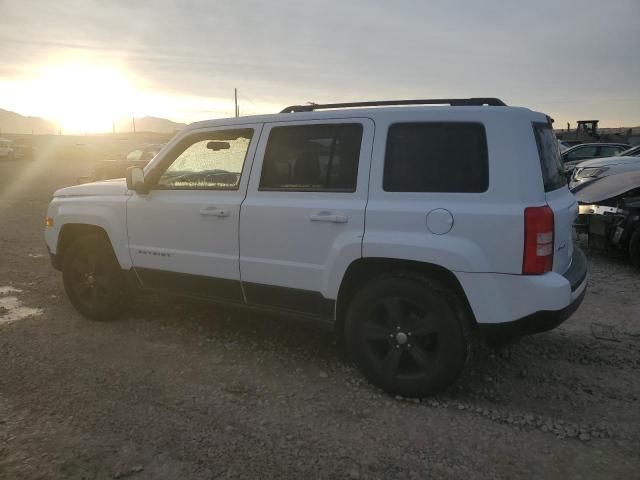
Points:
(12, 122)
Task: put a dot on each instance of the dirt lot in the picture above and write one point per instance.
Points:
(177, 389)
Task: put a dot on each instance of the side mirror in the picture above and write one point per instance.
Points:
(135, 180)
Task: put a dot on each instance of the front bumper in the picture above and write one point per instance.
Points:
(55, 259)
(545, 320)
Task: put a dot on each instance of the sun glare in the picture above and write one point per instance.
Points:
(83, 96)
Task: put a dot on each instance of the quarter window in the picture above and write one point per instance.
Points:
(212, 160)
(312, 158)
(436, 157)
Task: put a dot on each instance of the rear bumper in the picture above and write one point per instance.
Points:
(544, 320)
(537, 322)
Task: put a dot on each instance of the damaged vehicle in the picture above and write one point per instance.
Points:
(608, 192)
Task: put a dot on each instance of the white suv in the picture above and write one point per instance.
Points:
(407, 226)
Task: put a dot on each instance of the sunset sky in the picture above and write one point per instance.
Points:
(83, 63)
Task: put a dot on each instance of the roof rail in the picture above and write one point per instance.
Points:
(454, 102)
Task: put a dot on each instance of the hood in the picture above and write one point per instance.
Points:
(608, 161)
(609, 186)
(107, 187)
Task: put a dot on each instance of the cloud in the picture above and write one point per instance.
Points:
(539, 54)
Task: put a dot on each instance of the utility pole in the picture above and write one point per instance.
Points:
(235, 98)
(113, 127)
(133, 120)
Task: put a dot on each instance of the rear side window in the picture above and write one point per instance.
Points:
(550, 160)
(436, 157)
(312, 158)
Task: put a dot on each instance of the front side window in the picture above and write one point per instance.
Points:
(436, 157)
(212, 160)
(312, 158)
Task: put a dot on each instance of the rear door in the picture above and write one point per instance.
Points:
(557, 194)
(303, 217)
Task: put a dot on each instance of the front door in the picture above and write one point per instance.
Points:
(183, 234)
(303, 219)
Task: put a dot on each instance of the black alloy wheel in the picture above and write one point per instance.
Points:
(406, 335)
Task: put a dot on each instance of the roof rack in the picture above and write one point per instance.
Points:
(454, 102)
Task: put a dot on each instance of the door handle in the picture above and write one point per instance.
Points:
(214, 212)
(328, 217)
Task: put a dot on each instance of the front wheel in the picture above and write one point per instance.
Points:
(93, 279)
(407, 335)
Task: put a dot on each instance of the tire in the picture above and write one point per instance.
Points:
(93, 279)
(407, 335)
(634, 247)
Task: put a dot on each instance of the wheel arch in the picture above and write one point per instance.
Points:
(362, 270)
(70, 232)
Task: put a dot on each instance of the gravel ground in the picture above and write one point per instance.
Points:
(180, 389)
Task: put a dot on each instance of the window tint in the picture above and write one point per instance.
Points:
(312, 157)
(584, 152)
(212, 160)
(550, 159)
(436, 157)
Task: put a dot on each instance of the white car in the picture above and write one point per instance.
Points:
(406, 225)
(6, 151)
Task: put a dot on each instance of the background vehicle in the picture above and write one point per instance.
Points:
(587, 151)
(24, 150)
(590, 170)
(116, 168)
(6, 150)
(609, 194)
(387, 222)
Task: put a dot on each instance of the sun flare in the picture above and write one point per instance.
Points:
(83, 96)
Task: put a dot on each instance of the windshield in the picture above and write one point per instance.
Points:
(632, 152)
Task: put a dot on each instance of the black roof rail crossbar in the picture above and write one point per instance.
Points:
(454, 102)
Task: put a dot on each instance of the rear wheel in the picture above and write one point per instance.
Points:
(92, 278)
(406, 335)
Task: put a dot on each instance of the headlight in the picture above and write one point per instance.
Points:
(589, 172)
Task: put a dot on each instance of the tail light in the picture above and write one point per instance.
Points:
(538, 240)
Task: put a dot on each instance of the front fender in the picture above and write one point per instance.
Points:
(108, 214)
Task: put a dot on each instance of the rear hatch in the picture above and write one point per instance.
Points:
(558, 196)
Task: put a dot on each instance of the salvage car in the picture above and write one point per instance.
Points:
(587, 151)
(406, 225)
(590, 170)
(608, 192)
(116, 168)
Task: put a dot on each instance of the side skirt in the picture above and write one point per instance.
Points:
(291, 301)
